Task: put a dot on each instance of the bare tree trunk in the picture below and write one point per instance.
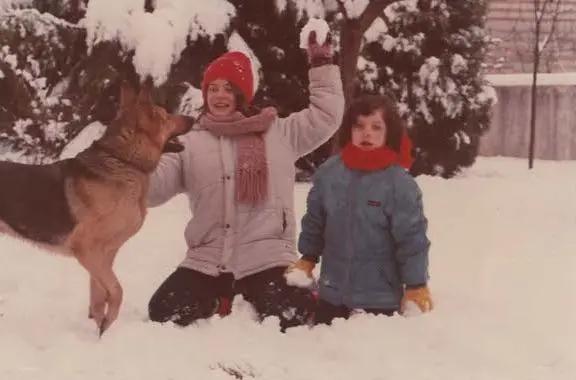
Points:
(534, 92)
(539, 47)
(350, 44)
(351, 32)
(75, 10)
(149, 6)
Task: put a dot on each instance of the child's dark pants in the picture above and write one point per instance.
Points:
(327, 312)
(188, 295)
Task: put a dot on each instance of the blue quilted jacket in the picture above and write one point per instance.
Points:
(369, 230)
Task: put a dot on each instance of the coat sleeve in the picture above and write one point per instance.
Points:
(167, 180)
(311, 240)
(308, 129)
(409, 229)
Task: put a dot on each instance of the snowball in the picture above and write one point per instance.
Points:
(318, 25)
(412, 310)
(299, 278)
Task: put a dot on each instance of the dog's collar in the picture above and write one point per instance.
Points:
(114, 153)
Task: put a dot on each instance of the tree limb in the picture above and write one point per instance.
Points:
(372, 11)
(342, 8)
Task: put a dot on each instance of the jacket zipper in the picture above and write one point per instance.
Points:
(352, 192)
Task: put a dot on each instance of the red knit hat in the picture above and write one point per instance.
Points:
(235, 67)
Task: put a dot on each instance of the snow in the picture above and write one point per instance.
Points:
(6, 154)
(320, 8)
(376, 31)
(502, 259)
(488, 94)
(317, 25)
(459, 63)
(525, 79)
(85, 138)
(157, 38)
(191, 102)
(354, 8)
(308, 8)
(390, 43)
(6, 5)
(237, 43)
(461, 137)
(395, 9)
(29, 67)
(281, 5)
(298, 277)
(502, 278)
(8, 58)
(369, 70)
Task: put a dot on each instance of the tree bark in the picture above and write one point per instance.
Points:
(351, 32)
(149, 6)
(350, 44)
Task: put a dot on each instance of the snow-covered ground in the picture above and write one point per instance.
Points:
(503, 267)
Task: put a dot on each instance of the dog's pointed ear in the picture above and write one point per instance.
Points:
(127, 95)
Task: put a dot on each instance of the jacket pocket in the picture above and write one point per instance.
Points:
(263, 224)
(201, 234)
(374, 212)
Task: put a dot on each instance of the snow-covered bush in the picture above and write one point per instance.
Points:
(60, 70)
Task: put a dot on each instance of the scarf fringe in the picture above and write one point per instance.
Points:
(251, 186)
(251, 161)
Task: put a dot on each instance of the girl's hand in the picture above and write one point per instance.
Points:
(300, 274)
(319, 55)
(303, 265)
(420, 296)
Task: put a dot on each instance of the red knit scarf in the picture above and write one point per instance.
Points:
(377, 159)
(251, 161)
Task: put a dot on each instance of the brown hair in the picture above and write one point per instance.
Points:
(242, 105)
(366, 105)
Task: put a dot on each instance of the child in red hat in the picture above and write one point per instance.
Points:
(236, 69)
(238, 171)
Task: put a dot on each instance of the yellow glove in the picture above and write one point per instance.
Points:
(420, 296)
(304, 265)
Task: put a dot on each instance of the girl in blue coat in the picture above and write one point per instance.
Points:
(365, 219)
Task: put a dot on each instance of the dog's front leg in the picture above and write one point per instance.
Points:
(97, 308)
(100, 268)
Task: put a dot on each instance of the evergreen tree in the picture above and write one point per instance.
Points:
(36, 50)
(52, 85)
(431, 59)
(427, 53)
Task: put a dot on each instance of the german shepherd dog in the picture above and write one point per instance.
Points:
(88, 206)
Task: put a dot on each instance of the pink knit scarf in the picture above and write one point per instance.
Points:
(251, 162)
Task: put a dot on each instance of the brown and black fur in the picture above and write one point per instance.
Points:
(88, 206)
